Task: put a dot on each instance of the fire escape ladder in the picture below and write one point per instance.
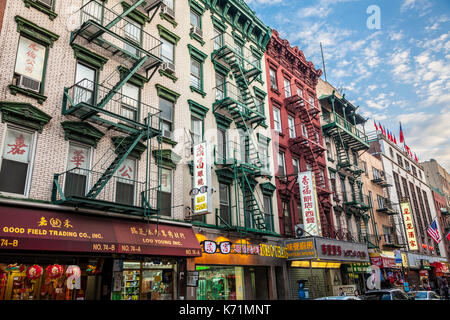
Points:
(251, 206)
(122, 151)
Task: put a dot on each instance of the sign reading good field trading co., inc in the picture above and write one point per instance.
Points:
(309, 203)
(409, 225)
(202, 179)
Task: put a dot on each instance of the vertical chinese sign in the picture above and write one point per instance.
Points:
(17, 146)
(30, 59)
(409, 226)
(308, 197)
(202, 179)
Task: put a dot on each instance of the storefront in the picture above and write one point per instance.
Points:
(322, 263)
(66, 256)
(391, 271)
(238, 268)
(422, 270)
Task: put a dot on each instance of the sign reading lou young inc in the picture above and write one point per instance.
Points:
(309, 203)
(409, 225)
(202, 193)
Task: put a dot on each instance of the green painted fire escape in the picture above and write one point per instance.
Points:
(104, 30)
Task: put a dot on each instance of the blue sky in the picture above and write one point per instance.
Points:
(400, 72)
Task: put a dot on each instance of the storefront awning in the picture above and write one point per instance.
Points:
(440, 267)
(33, 229)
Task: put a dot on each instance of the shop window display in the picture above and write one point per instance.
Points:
(220, 283)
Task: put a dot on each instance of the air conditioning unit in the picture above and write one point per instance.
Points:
(168, 12)
(28, 83)
(167, 134)
(47, 3)
(169, 67)
(197, 31)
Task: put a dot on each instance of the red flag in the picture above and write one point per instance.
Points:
(415, 157)
(402, 138)
(395, 140)
(374, 123)
(381, 128)
(448, 236)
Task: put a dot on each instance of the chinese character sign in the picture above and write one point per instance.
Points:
(30, 59)
(409, 226)
(202, 179)
(78, 157)
(17, 146)
(309, 203)
(126, 171)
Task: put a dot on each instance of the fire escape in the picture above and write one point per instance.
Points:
(111, 34)
(242, 159)
(306, 143)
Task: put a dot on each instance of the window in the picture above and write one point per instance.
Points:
(414, 171)
(195, 20)
(220, 86)
(169, 3)
(304, 130)
(16, 161)
(380, 200)
(167, 51)
(295, 165)
(132, 33)
(273, 79)
(221, 144)
(125, 182)
(407, 166)
(238, 49)
(329, 151)
(299, 92)
(387, 234)
(224, 198)
(376, 173)
(196, 74)
(165, 195)
(92, 11)
(391, 152)
(277, 119)
(196, 130)
(218, 39)
(281, 164)
(344, 192)
(287, 218)
(287, 88)
(364, 167)
(84, 90)
(29, 68)
(268, 212)
(167, 109)
(130, 101)
(399, 160)
(311, 101)
(291, 127)
(76, 179)
(263, 150)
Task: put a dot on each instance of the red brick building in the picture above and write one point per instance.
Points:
(296, 131)
(443, 218)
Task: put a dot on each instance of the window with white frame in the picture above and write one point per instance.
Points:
(167, 51)
(195, 19)
(287, 88)
(220, 86)
(29, 68)
(291, 125)
(76, 179)
(84, 90)
(296, 165)
(221, 145)
(299, 92)
(196, 73)
(196, 130)
(165, 194)
(304, 130)
(281, 164)
(273, 79)
(130, 101)
(16, 161)
(218, 39)
(126, 182)
(169, 3)
(311, 101)
(277, 119)
(133, 34)
(225, 208)
(267, 201)
(167, 109)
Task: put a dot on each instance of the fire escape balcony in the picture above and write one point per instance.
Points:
(120, 194)
(101, 29)
(335, 125)
(386, 207)
(301, 144)
(357, 201)
(298, 105)
(85, 100)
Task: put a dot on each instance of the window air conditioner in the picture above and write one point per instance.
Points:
(168, 12)
(169, 67)
(28, 83)
(167, 134)
(197, 31)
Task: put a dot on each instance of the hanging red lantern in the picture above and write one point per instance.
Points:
(54, 271)
(34, 272)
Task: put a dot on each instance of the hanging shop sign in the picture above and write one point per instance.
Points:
(309, 202)
(202, 192)
(425, 264)
(383, 261)
(227, 247)
(330, 249)
(409, 225)
(361, 267)
(29, 229)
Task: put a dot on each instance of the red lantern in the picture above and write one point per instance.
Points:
(34, 272)
(55, 271)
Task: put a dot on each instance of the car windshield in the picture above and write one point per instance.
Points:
(421, 295)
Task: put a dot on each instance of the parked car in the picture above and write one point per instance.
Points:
(386, 294)
(339, 298)
(424, 295)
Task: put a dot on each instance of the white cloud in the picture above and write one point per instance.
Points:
(396, 36)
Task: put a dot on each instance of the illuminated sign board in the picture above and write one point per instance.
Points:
(409, 225)
(309, 202)
(202, 192)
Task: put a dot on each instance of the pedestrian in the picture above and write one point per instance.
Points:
(356, 293)
(341, 292)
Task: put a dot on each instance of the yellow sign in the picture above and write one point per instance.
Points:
(409, 226)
